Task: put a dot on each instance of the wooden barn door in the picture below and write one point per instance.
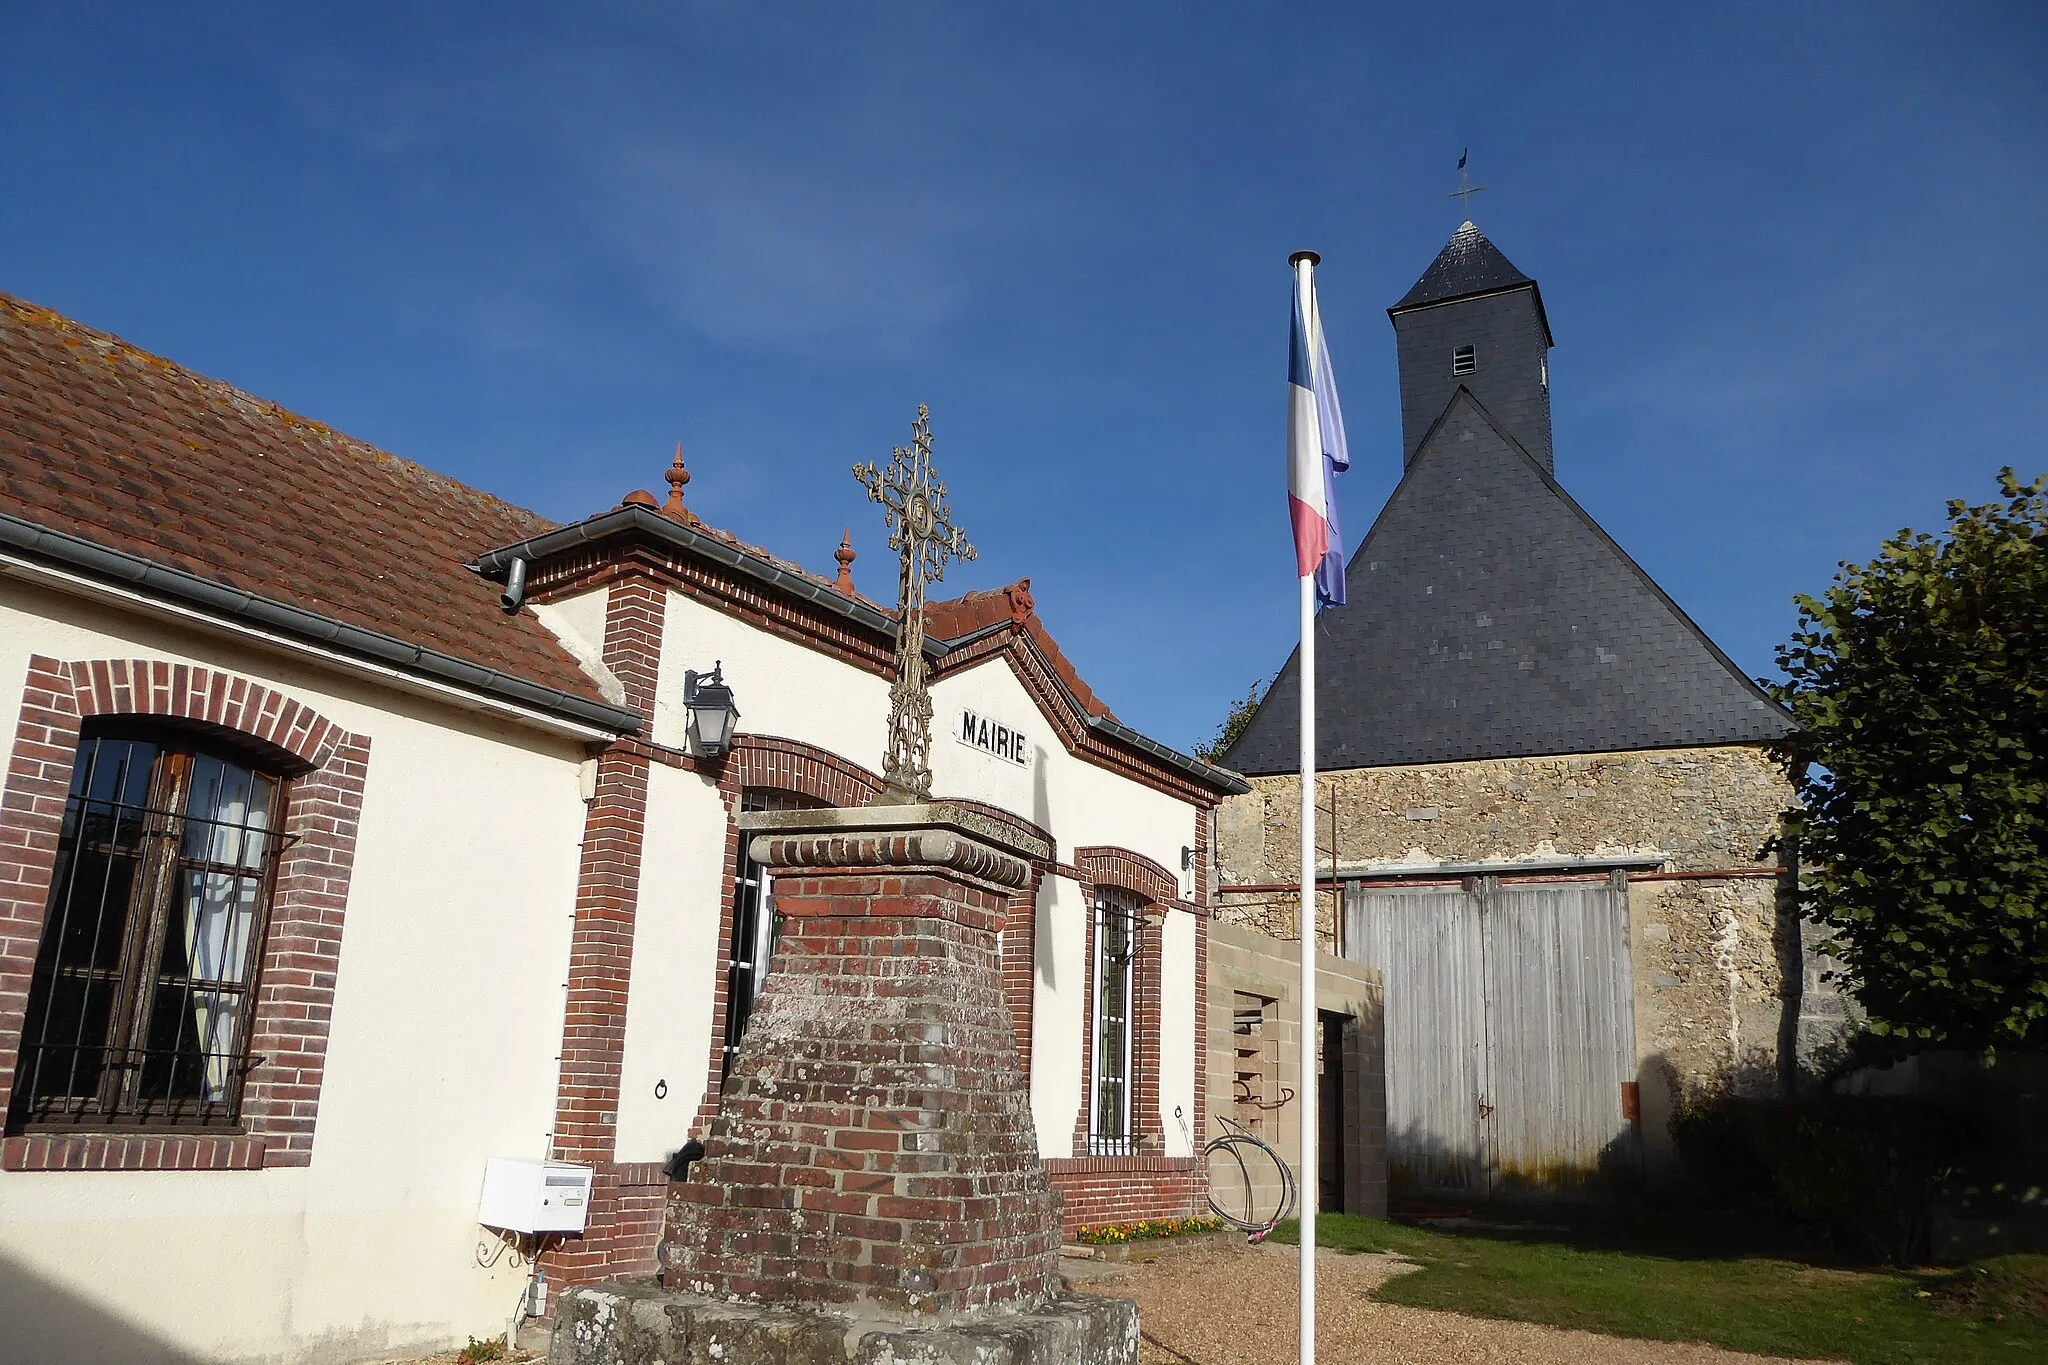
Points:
(1427, 944)
(1510, 1032)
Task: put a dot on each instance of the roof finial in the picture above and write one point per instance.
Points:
(1466, 189)
(844, 554)
(677, 476)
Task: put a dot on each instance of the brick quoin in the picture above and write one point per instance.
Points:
(616, 1240)
(293, 1004)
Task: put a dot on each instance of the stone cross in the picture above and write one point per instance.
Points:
(920, 528)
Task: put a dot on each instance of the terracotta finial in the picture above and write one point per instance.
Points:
(639, 497)
(1021, 604)
(677, 476)
(844, 554)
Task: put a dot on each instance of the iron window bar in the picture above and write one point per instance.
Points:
(152, 943)
(1119, 923)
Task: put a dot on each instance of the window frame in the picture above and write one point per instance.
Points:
(1464, 360)
(160, 860)
(754, 927)
(1111, 901)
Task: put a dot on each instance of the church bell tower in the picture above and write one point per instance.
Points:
(1474, 321)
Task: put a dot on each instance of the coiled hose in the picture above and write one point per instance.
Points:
(1246, 1149)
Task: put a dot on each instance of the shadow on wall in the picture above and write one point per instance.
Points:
(45, 1323)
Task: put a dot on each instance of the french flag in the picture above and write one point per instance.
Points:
(1316, 452)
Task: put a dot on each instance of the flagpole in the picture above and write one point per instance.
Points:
(1304, 265)
(1310, 1052)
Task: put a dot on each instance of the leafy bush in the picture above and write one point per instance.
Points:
(1920, 685)
(1116, 1234)
(1864, 1169)
(490, 1348)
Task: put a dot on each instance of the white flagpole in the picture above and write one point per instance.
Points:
(1304, 266)
(1310, 1052)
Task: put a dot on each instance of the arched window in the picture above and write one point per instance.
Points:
(1118, 923)
(139, 1004)
(751, 948)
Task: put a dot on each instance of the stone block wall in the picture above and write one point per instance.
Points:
(1725, 986)
(1246, 965)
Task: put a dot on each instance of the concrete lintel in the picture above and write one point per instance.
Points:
(857, 820)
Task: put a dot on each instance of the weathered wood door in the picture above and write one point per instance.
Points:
(1509, 1031)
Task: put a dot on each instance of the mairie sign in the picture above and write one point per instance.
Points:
(992, 737)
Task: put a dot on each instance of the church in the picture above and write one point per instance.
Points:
(362, 835)
(1547, 813)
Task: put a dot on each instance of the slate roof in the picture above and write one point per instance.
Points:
(1468, 265)
(106, 442)
(1490, 617)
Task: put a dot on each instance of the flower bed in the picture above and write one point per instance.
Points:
(1146, 1230)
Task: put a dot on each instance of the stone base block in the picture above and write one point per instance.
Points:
(642, 1324)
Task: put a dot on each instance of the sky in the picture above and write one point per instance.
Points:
(1793, 257)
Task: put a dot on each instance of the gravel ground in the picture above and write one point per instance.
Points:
(1236, 1306)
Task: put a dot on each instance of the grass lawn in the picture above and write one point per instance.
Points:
(1677, 1277)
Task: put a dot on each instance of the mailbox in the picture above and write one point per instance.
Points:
(521, 1195)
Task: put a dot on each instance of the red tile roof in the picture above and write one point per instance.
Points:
(959, 617)
(117, 446)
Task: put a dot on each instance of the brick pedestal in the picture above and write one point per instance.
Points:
(873, 1150)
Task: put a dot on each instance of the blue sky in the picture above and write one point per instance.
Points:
(1793, 257)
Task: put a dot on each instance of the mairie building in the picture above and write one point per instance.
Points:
(359, 828)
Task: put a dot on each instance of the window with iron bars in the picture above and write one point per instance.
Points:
(1117, 921)
(138, 1009)
(752, 947)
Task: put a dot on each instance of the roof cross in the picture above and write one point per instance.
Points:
(922, 531)
(1466, 189)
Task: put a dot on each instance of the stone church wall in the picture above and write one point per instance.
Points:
(1720, 972)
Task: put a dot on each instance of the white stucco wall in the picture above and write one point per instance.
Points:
(578, 622)
(1060, 997)
(781, 688)
(1177, 1054)
(1076, 802)
(447, 1019)
(670, 1001)
(790, 690)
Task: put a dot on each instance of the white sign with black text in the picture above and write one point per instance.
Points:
(977, 731)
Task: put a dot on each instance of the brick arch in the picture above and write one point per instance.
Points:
(151, 687)
(292, 1006)
(793, 766)
(1105, 865)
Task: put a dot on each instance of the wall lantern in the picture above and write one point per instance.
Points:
(712, 713)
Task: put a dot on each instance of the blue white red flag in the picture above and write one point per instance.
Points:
(1316, 452)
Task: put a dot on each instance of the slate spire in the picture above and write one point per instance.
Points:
(1490, 616)
(1474, 320)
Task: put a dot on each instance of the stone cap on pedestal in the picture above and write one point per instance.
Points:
(938, 835)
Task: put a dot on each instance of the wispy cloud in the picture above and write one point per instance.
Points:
(856, 202)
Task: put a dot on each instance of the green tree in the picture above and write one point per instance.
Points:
(1920, 684)
(1241, 713)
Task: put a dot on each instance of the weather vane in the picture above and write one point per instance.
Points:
(921, 529)
(1466, 189)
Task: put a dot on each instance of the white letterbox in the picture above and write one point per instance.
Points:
(521, 1195)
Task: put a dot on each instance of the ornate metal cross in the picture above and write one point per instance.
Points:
(1466, 189)
(921, 529)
